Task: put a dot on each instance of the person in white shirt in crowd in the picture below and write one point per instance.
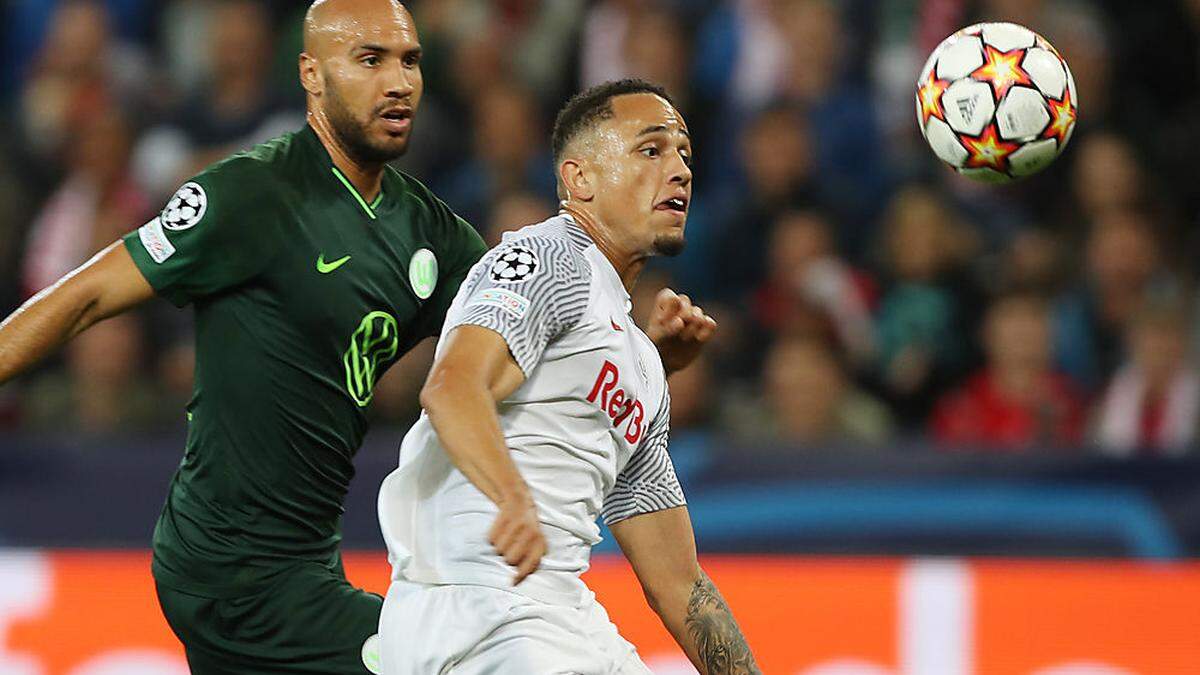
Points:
(546, 408)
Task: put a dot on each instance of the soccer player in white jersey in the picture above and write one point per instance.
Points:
(546, 408)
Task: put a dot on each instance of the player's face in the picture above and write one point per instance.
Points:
(644, 159)
(373, 82)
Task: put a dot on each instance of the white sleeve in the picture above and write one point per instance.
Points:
(530, 292)
(648, 482)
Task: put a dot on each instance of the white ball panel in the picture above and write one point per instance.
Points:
(986, 175)
(1033, 157)
(959, 58)
(944, 143)
(968, 105)
(1046, 71)
(1022, 114)
(1007, 36)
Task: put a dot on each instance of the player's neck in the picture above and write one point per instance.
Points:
(628, 264)
(366, 178)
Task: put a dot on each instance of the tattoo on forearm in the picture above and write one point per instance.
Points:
(719, 641)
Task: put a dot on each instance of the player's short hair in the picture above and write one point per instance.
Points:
(587, 108)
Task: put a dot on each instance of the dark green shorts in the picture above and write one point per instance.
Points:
(309, 619)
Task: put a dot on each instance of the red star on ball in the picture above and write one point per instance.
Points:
(930, 96)
(1002, 70)
(1062, 117)
(988, 150)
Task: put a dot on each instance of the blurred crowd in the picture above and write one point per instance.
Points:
(866, 294)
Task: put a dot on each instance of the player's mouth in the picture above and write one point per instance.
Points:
(397, 120)
(674, 205)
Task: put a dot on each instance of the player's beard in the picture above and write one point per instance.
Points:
(670, 245)
(351, 132)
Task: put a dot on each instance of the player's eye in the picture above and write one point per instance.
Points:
(650, 151)
(411, 60)
(687, 158)
(371, 60)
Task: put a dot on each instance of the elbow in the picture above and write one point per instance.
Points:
(441, 389)
(667, 595)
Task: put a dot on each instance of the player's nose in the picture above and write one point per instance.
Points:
(681, 173)
(400, 83)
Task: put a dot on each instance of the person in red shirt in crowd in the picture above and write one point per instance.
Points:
(1017, 401)
(1152, 405)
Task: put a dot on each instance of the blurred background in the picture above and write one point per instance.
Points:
(909, 364)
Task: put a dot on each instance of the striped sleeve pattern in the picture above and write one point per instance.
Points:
(648, 482)
(530, 291)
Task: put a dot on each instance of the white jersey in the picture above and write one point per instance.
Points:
(587, 429)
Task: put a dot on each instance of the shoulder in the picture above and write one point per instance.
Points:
(548, 247)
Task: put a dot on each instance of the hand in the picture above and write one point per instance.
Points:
(679, 329)
(517, 535)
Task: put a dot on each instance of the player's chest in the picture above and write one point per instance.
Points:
(336, 274)
(618, 373)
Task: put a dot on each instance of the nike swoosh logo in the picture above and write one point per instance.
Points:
(327, 267)
(615, 325)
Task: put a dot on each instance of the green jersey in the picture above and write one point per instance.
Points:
(304, 294)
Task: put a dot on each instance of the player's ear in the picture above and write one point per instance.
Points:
(575, 180)
(310, 75)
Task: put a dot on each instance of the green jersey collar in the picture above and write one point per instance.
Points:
(368, 208)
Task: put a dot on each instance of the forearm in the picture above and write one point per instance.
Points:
(42, 325)
(698, 618)
(107, 284)
(463, 413)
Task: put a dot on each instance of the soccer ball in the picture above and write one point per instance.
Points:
(996, 102)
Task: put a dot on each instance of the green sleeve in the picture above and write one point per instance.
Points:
(461, 247)
(214, 234)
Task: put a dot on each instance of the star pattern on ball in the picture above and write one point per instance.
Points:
(1002, 70)
(988, 150)
(930, 96)
(1062, 117)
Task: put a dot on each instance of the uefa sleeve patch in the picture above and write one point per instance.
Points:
(155, 241)
(513, 303)
(186, 207)
(514, 264)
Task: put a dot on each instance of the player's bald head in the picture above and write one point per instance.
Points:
(329, 23)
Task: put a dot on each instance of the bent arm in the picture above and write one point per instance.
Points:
(106, 285)
(662, 550)
(472, 374)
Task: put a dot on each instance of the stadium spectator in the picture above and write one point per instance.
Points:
(514, 210)
(1153, 402)
(851, 175)
(234, 108)
(1123, 269)
(80, 68)
(810, 291)
(809, 400)
(1107, 177)
(1017, 401)
(96, 202)
(925, 317)
(509, 154)
(101, 390)
(777, 165)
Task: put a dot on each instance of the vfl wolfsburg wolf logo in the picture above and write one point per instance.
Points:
(375, 341)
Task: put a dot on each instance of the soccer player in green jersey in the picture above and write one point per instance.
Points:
(311, 267)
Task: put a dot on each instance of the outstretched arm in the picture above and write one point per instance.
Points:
(474, 372)
(662, 549)
(108, 284)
